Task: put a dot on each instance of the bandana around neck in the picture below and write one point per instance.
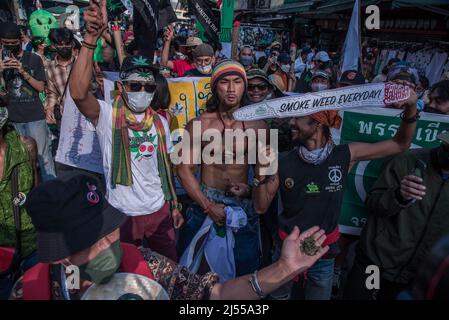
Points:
(317, 156)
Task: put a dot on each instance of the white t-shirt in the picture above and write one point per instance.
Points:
(145, 195)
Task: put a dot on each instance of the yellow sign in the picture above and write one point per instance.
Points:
(188, 98)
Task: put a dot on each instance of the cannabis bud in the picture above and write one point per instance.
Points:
(309, 247)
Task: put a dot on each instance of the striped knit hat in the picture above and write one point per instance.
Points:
(225, 68)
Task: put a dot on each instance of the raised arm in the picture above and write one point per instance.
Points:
(168, 37)
(399, 143)
(82, 72)
(266, 179)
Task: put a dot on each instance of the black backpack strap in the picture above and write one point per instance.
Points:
(17, 200)
(66, 84)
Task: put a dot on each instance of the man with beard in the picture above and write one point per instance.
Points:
(312, 178)
(408, 214)
(134, 141)
(223, 184)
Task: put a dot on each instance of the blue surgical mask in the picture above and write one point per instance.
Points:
(246, 61)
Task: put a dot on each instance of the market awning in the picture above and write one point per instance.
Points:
(419, 3)
(332, 6)
(292, 7)
(60, 10)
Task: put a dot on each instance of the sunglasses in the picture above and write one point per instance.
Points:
(261, 87)
(137, 86)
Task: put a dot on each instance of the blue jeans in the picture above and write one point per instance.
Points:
(247, 245)
(319, 280)
(38, 130)
(318, 285)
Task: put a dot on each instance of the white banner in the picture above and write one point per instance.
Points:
(78, 142)
(376, 94)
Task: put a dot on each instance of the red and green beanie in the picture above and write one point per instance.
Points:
(225, 68)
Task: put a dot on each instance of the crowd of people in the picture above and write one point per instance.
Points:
(131, 219)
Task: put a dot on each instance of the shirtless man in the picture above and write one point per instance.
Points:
(223, 184)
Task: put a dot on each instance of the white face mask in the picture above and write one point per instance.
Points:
(139, 101)
(180, 56)
(319, 87)
(205, 69)
(285, 68)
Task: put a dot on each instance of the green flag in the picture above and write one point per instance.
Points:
(373, 125)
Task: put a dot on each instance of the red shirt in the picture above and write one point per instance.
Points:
(182, 66)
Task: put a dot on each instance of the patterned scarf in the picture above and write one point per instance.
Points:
(122, 119)
(317, 156)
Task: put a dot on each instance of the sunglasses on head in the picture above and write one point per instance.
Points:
(137, 86)
(261, 87)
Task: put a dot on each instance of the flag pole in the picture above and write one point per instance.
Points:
(360, 33)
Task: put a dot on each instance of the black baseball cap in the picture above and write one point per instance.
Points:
(138, 64)
(352, 77)
(9, 30)
(70, 214)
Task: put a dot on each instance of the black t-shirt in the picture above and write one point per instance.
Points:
(195, 73)
(312, 195)
(24, 104)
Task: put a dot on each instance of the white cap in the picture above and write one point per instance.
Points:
(322, 56)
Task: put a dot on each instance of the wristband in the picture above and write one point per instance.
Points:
(410, 120)
(89, 45)
(255, 285)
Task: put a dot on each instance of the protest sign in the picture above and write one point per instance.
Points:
(377, 94)
(373, 125)
(78, 143)
(188, 98)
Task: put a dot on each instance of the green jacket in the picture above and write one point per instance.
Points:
(396, 237)
(16, 154)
